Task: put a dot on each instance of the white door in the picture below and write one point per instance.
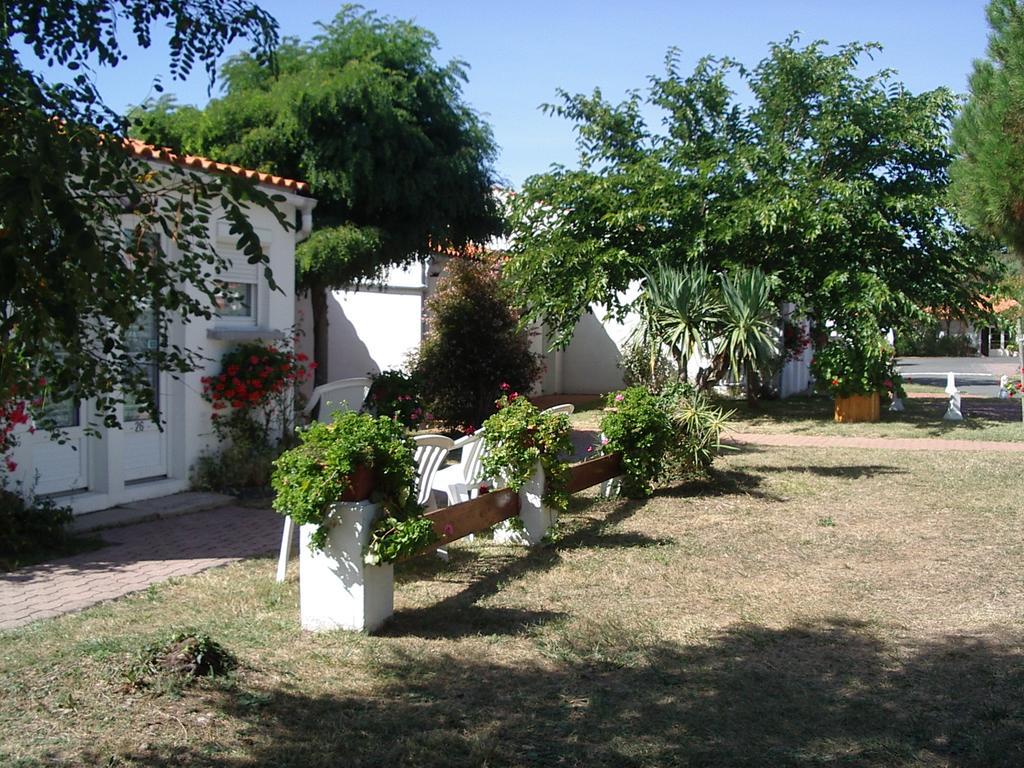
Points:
(145, 446)
(61, 466)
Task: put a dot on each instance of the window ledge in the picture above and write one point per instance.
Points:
(244, 334)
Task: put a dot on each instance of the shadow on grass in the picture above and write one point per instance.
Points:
(849, 472)
(446, 618)
(828, 692)
(727, 482)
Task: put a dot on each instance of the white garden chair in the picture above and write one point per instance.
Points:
(343, 394)
(431, 451)
(459, 481)
(566, 408)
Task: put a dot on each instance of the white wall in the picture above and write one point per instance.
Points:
(372, 327)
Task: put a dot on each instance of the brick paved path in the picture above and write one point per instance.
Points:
(137, 556)
(873, 443)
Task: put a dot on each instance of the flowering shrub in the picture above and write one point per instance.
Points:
(518, 435)
(860, 365)
(1014, 385)
(636, 424)
(398, 395)
(251, 399)
(12, 414)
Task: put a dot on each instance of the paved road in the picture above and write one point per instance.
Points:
(974, 375)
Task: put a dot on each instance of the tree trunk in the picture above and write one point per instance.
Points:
(318, 300)
(753, 385)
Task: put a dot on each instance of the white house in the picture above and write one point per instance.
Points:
(374, 327)
(141, 461)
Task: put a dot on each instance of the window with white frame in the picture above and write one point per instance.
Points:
(237, 297)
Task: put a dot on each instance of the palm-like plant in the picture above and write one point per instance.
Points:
(680, 309)
(748, 338)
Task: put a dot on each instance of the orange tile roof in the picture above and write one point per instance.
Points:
(148, 151)
(1003, 305)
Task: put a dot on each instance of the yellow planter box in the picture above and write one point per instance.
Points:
(856, 408)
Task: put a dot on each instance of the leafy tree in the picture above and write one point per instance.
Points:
(473, 350)
(399, 163)
(78, 213)
(988, 137)
(831, 181)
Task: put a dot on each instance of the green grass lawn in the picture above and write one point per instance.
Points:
(804, 608)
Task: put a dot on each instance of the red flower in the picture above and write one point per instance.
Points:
(254, 360)
(302, 357)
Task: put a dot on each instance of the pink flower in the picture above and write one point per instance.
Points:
(504, 387)
(11, 464)
(604, 440)
(619, 397)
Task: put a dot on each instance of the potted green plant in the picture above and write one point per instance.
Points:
(352, 458)
(856, 371)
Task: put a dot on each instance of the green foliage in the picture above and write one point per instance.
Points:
(313, 475)
(178, 660)
(728, 319)
(519, 436)
(398, 395)
(988, 176)
(637, 368)
(859, 363)
(637, 425)
(749, 340)
(393, 539)
(473, 345)
(924, 340)
(697, 424)
(29, 526)
(680, 310)
(72, 279)
(820, 176)
(399, 163)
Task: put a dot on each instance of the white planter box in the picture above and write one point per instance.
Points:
(536, 518)
(336, 590)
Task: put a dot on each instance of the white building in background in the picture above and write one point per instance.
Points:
(376, 327)
(141, 461)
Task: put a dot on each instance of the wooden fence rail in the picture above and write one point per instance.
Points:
(488, 509)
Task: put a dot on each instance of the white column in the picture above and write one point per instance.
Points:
(336, 589)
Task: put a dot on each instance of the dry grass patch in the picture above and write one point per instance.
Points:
(725, 623)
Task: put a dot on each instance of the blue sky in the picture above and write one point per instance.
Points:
(520, 52)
